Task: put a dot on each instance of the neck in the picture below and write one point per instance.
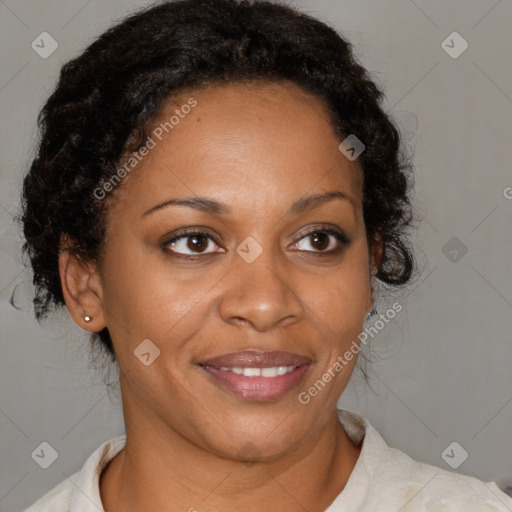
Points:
(159, 469)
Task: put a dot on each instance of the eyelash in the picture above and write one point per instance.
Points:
(342, 238)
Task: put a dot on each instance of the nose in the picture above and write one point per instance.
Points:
(261, 295)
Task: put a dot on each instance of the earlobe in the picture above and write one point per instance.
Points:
(81, 287)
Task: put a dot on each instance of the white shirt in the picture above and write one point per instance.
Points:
(384, 479)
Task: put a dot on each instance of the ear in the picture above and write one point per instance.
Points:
(81, 287)
(376, 254)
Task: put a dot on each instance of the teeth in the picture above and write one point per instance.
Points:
(269, 372)
(252, 372)
(260, 372)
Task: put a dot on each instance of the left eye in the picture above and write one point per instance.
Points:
(323, 241)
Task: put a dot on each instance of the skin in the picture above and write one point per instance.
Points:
(257, 148)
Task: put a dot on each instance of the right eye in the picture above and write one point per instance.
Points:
(195, 241)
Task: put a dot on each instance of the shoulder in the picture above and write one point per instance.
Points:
(418, 486)
(81, 490)
(56, 500)
(387, 479)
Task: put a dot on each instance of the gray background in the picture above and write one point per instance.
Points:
(442, 368)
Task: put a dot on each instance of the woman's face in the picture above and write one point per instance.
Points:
(265, 275)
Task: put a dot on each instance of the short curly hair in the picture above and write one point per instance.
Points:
(107, 97)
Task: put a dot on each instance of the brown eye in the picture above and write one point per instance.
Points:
(326, 241)
(319, 241)
(192, 243)
(197, 243)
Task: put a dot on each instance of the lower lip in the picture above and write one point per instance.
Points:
(259, 389)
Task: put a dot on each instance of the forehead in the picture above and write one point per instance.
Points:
(248, 143)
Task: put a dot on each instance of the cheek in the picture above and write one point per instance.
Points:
(146, 298)
(343, 301)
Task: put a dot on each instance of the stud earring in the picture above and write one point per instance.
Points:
(87, 318)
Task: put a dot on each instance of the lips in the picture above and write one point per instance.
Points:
(258, 376)
(252, 359)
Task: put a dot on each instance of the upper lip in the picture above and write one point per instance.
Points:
(251, 359)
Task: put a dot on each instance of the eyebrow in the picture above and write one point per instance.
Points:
(213, 207)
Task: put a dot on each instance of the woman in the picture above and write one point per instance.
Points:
(216, 192)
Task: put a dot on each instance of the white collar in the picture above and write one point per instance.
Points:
(86, 495)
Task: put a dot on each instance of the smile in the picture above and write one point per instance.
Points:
(270, 372)
(257, 376)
